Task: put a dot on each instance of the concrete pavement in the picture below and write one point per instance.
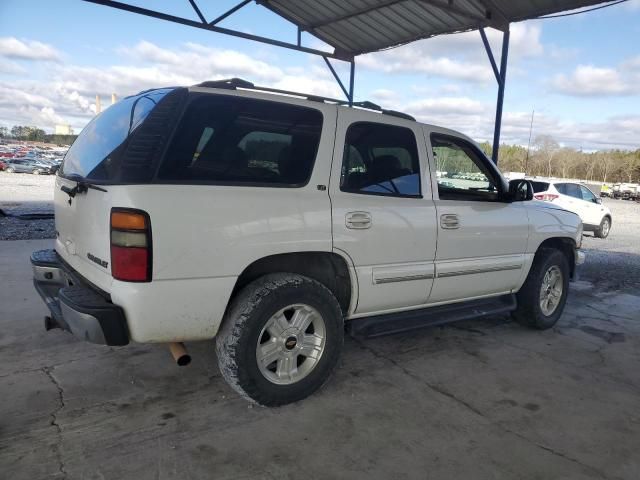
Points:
(484, 399)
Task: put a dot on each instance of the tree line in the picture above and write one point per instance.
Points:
(35, 134)
(547, 158)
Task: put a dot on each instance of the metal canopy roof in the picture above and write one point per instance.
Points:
(363, 26)
(354, 27)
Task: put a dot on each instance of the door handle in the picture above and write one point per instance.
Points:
(449, 221)
(358, 220)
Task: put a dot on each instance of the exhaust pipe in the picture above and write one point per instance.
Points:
(179, 353)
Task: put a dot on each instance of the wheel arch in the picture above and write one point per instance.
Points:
(566, 245)
(328, 268)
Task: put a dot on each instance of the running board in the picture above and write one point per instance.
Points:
(379, 325)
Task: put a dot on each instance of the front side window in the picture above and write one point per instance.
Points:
(242, 141)
(587, 194)
(462, 174)
(380, 159)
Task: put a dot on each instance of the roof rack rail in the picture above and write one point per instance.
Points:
(235, 83)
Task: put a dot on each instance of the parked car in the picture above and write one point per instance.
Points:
(576, 198)
(27, 166)
(268, 221)
(3, 165)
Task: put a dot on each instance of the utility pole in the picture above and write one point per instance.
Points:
(98, 106)
(526, 161)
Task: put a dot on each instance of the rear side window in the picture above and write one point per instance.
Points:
(572, 190)
(242, 141)
(540, 186)
(93, 154)
(380, 159)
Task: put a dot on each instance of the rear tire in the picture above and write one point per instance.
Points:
(281, 338)
(542, 298)
(605, 227)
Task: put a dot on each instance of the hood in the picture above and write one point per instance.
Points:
(548, 206)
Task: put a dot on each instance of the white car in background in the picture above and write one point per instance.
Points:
(577, 199)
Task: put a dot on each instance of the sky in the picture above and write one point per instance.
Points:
(581, 74)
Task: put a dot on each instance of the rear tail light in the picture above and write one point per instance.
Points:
(130, 245)
(546, 197)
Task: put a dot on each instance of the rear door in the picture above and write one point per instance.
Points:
(481, 240)
(383, 215)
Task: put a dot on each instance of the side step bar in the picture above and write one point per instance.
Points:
(426, 317)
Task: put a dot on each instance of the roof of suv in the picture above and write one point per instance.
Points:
(244, 87)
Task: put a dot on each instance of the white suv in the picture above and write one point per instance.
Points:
(272, 221)
(578, 199)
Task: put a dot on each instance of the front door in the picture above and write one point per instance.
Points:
(481, 240)
(383, 213)
(594, 211)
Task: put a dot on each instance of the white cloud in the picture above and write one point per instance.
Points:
(70, 90)
(475, 119)
(589, 80)
(460, 56)
(12, 47)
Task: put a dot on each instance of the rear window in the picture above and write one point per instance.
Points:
(241, 141)
(540, 186)
(93, 153)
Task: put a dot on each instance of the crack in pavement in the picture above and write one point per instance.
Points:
(48, 371)
(476, 411)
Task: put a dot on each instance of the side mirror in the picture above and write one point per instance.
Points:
(597, 200)
(520, 190)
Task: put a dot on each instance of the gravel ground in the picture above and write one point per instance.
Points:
(612, 263)
(20, 194)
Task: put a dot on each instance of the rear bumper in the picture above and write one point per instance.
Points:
(580, 257)
(75, 306)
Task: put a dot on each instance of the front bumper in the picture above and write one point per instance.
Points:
(75, 306)
(580, 257)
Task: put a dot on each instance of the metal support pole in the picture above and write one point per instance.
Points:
(352, 75)
(501, 85)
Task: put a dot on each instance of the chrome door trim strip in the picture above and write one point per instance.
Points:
(406, 278)
(478, 270)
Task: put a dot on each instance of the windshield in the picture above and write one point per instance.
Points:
(90, 156)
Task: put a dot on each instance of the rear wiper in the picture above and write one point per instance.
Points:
(82, 186)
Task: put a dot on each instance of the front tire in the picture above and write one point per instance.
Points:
(605, 227)
(281, 338)
(10, 170)
(542, 298)
(36, 172)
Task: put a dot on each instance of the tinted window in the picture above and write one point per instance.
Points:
(224, 139)
(540, 186)
(90, 155)
(572, 190)
(380, 159)
(462, 173)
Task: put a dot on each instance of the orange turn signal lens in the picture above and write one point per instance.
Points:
(127, 221)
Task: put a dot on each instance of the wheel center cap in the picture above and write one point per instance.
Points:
(290, 343)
